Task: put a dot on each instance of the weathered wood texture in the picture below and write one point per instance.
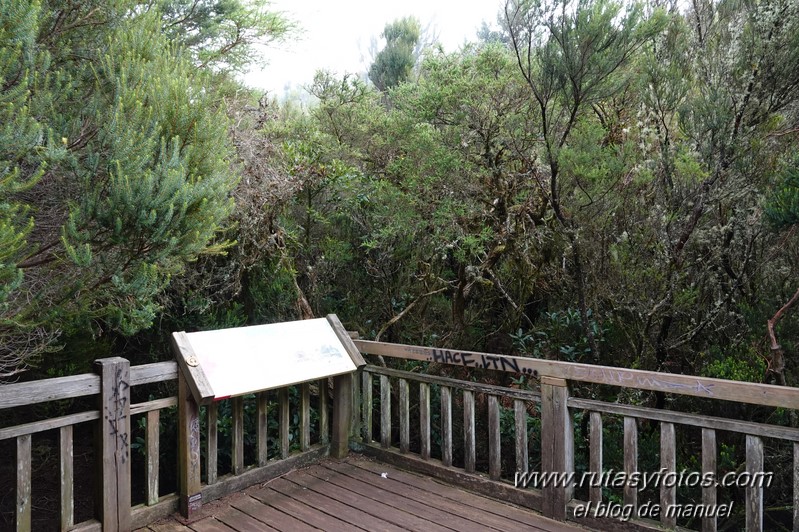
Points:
(424, 419)
(557, 445)
(668, 463)
(113, 454)
(520, 425)
(152, 450)
(195, 376)
(630, 460)
(595, 455)
(67, 474)
(212, 451)
(404, 416)
(754, 493)
(469, 441)
(709, 524)
(324, 414)
(342, 415)
(24, 502)
(446, 425)
(741, 392)
(284, 420)
(366, 404)
(262, 400)
(385, 411)
(188, 450)
(305, 416)
(494, 441)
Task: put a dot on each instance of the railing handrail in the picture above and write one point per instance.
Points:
(708, 387)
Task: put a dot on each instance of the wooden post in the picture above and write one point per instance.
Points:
(67, 479)
(324, 414)
(754, 492)
(385, 412)
(424, 419)
(113, 500)
(709, 524)
(262, 402)
(494, 439)
(520, 422)
(237, 443)
(557, 445)
(631, 461)
(668, 461)
(404, 415)
(24, 502)
(446, 426)
(284, 421)
(153, 455)
(211, 458)
(469, 448)
(595, 456)
(342, 415)
(190, 497)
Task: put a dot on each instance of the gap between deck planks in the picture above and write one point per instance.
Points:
(352, 494)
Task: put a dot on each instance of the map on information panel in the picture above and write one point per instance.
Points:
(244, 360)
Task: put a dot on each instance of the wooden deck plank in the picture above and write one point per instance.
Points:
(524, 517)
(449, 507)
(209, 524)
(307, 514)
(352, 515)
(256, 510)
(461, 518)
(384, 511)
(341, 496)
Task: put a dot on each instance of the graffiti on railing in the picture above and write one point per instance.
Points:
(116, 414)
(479, 360)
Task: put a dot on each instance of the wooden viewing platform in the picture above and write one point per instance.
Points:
(358, 494)
(303, 453)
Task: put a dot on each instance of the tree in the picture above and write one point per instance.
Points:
(122, 178)
(394, 63)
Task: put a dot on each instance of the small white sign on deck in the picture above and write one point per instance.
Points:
(230, 362)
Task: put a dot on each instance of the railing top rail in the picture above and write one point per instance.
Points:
(741, 392)
(58, 388)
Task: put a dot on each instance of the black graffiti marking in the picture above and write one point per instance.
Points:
(116, 417)
(445, 356)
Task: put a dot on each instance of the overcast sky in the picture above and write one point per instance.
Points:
(335, 34)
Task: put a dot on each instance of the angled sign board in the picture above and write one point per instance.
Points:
(230, 362)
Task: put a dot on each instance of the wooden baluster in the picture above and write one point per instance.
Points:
(630, 461)
(153, 454)
(305, 416)
(424, 419)
(520, 422)
(385, 412)
(367, 406)
(709, 469)
(595, 451)
(284, 420)
(796, 486)
(357, 405)
(324, 414)
(494, 452)
(237, 452)
(404, 415)
(668, 462)
(262, 402)
(468, 431)
(557, 444)
(212, 454)
(754, 494)
(67, 478)
(24, 483)
(446, 425)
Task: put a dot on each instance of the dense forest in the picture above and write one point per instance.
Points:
(612, 183)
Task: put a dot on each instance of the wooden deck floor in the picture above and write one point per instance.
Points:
(359, 494)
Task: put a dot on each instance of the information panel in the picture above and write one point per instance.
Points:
(230, 362)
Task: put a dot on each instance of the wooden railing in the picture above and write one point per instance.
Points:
(548, 415)
(112, 387)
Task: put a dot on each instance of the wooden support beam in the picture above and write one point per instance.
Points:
(305, 416)
(190, 496)
(709, 524)
(342, 415)
(113, 453)
(262, 402)
(366, 389)
(324, 413)
(212, 449)
(284, 420)
(557, 444)
(630, 461)
(24, 502)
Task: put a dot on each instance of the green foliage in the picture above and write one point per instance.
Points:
(394, 63)
(783, 206)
